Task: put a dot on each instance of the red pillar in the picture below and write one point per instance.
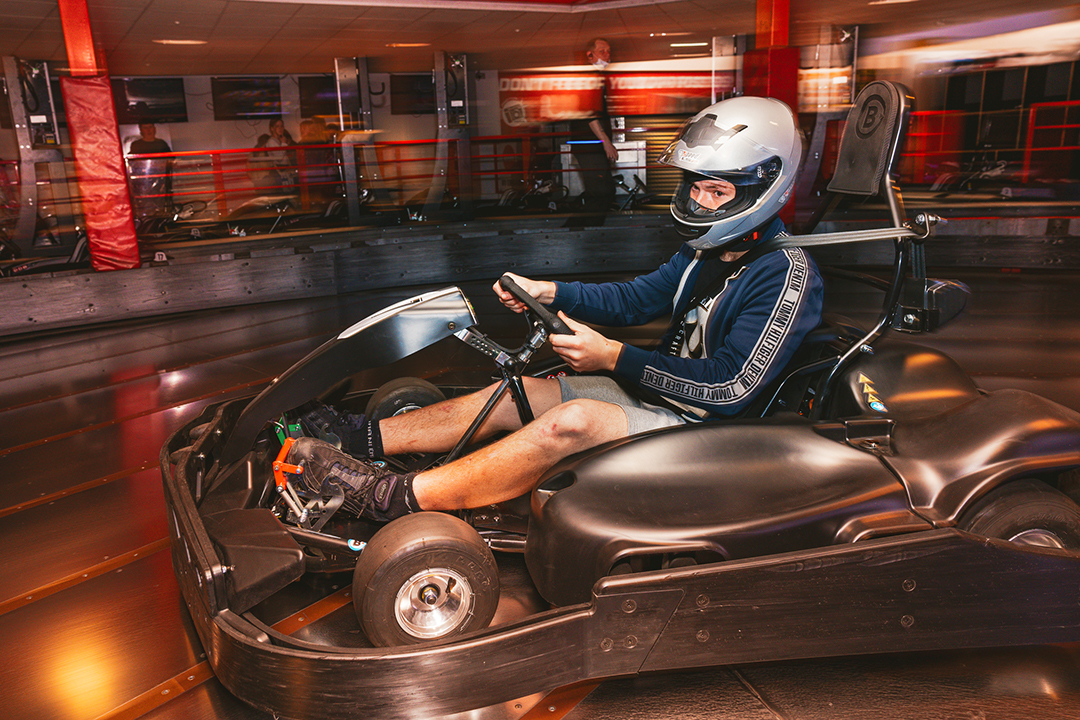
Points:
(75, 19)
(95, 141)
(772, 68)
(771, 23)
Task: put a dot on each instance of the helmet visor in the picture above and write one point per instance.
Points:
(703, 131)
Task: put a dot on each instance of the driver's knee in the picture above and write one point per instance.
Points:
(582, 422)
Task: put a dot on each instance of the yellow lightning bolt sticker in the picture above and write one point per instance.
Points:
(872, 398)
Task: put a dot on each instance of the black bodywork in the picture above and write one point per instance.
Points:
(786, 483)
(826, 524)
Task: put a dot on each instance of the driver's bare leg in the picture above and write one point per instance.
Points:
(435, 428)
(438, 427)
(511, 466)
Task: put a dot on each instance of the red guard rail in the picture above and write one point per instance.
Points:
(314, 176)
(229, 180)
(933, 146)
(934, 141)
(1051, 128)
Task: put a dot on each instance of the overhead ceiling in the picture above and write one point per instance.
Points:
(271, 37)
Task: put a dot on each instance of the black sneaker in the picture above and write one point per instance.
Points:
(331, 425)
(369, 486)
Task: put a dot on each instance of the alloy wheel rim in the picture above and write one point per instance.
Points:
(433, 603)
(1039, 537)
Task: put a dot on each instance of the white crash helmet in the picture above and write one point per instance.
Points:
(754, 144)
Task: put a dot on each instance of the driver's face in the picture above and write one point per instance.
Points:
(712, 194)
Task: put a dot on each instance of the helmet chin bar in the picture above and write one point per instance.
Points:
(690, 232)
(696, 233)
(741, 242)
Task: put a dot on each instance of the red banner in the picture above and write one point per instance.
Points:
(99, 165)
(529, 99)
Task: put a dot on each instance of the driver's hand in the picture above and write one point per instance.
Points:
(542, 290)
(586, 350)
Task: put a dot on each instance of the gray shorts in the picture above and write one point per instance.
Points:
(640, 416)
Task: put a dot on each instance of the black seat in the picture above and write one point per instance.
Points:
(793, 389)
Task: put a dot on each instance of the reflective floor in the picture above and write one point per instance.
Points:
(91, 620)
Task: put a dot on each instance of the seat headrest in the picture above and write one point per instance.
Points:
(868, 148)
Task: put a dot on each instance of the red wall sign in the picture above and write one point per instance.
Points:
(529, 99)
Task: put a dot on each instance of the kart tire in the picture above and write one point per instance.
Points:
(425, 576)
(1028, 512)
(401, 396)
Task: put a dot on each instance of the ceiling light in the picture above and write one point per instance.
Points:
(408, 45)
(890, 2)
(690, 44)
(180, 42)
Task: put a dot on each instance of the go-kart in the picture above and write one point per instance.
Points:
(873, 500)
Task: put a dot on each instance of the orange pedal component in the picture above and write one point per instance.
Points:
(281, 467)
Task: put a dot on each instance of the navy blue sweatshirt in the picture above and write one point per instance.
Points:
(751, 326)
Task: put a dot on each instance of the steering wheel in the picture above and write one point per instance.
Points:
(551, 322)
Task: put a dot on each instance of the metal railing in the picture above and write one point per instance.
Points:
(344, 181)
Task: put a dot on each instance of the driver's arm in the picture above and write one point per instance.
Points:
(609, 147)
(631, 302)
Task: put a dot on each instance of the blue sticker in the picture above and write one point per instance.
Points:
(879, 406)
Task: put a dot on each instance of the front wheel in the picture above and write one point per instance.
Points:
(1028, 512)
(425, 576)
(401, 396)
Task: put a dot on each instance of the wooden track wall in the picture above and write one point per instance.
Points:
(209, 274)
(315, 265)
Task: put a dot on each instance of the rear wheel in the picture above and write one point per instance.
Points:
(1028, 512)
(424, 577)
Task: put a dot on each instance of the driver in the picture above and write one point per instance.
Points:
(737, 317)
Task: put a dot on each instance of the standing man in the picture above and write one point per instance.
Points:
(148, 141)
(737, 318)
(276, 165)
(151, 183)
(592, 146)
